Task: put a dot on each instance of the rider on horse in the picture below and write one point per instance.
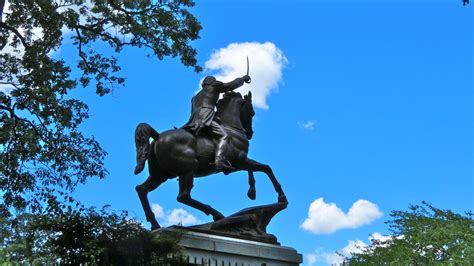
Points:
(202, 115)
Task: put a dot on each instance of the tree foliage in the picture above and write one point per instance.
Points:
(83, 236)
(424, 235)
(43, 154)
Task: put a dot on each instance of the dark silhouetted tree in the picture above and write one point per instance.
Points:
(43, 154)
(84, 236)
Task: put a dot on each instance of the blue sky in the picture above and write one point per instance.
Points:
(374, 103)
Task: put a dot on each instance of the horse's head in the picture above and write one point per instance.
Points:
(237, 112)
(246, 115)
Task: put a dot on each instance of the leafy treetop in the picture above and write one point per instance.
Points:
(424, 235)
(43, 154)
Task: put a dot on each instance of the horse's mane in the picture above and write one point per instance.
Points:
(232, 94)
(226, 99)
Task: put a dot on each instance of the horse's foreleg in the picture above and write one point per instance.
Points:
(184, 196)
(149, 185)
(254, 166)
(252, 193)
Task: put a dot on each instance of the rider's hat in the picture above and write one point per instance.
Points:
(208, 80)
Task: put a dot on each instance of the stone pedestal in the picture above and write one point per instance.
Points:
(208, 249)
(240, 239)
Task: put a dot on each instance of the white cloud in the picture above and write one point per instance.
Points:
(329, 258)
(337, 258)
(380, 237)
(311, 258)
(173, 217)
(353, 247)
(266, 64)
(181, 216)
(309, 125)
(157, 210)
(326, 218)
(332, 258)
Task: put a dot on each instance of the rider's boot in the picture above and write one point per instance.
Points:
(222, 164)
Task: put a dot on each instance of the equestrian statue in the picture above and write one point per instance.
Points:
(215, 139)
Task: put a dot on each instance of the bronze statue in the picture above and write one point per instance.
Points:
(202, 116)
(209, 143)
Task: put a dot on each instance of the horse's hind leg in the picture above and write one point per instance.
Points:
(184, 196)
(149, 185)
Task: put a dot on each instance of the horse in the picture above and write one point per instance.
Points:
(178, 153)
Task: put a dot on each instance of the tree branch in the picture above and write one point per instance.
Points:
(64, 4)
(17, 33)
(100, 33)
(39, 119)
(2, 6)
(128, 12)
(15, 85)
(16, 118)
(81, 53)
(86, 63)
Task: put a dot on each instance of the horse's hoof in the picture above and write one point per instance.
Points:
(282, 199)
(218, 217)
(252, 194)
(155, 227)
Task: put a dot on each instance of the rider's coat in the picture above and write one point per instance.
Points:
(204, 102)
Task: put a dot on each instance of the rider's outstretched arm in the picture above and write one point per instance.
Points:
(229, 86)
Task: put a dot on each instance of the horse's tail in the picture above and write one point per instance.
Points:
(143, 133)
